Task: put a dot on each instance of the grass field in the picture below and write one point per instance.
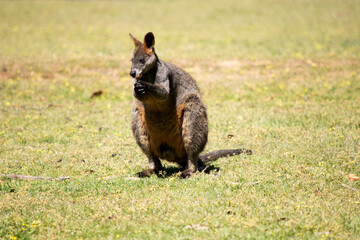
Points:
(279, 77)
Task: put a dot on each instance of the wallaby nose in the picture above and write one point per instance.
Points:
(133, 73)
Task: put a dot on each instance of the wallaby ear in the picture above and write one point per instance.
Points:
(149, 41)
(137, 43)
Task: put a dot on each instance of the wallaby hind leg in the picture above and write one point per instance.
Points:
(194, 132)
(142, 139)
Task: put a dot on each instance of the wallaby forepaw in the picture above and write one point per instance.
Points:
(140, 88)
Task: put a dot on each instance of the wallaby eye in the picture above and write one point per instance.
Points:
(142, 61)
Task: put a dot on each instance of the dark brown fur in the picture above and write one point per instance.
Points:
(169, 120)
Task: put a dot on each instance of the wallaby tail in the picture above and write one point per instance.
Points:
(212, 156)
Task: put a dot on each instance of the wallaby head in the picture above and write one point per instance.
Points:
(144, 57)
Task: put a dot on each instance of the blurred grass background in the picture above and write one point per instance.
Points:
(279, 77)
(205, 29)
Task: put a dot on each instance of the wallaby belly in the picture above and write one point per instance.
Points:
(165, 138)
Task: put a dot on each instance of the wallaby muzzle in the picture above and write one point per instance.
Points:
(135, 73)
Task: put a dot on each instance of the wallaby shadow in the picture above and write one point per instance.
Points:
(169, 171)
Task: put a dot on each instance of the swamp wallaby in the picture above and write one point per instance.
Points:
(169, 119)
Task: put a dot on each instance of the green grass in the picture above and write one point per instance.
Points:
(282, 77)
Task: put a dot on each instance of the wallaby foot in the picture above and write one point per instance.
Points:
(186, 173)
(155, 167)
(147, 173)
